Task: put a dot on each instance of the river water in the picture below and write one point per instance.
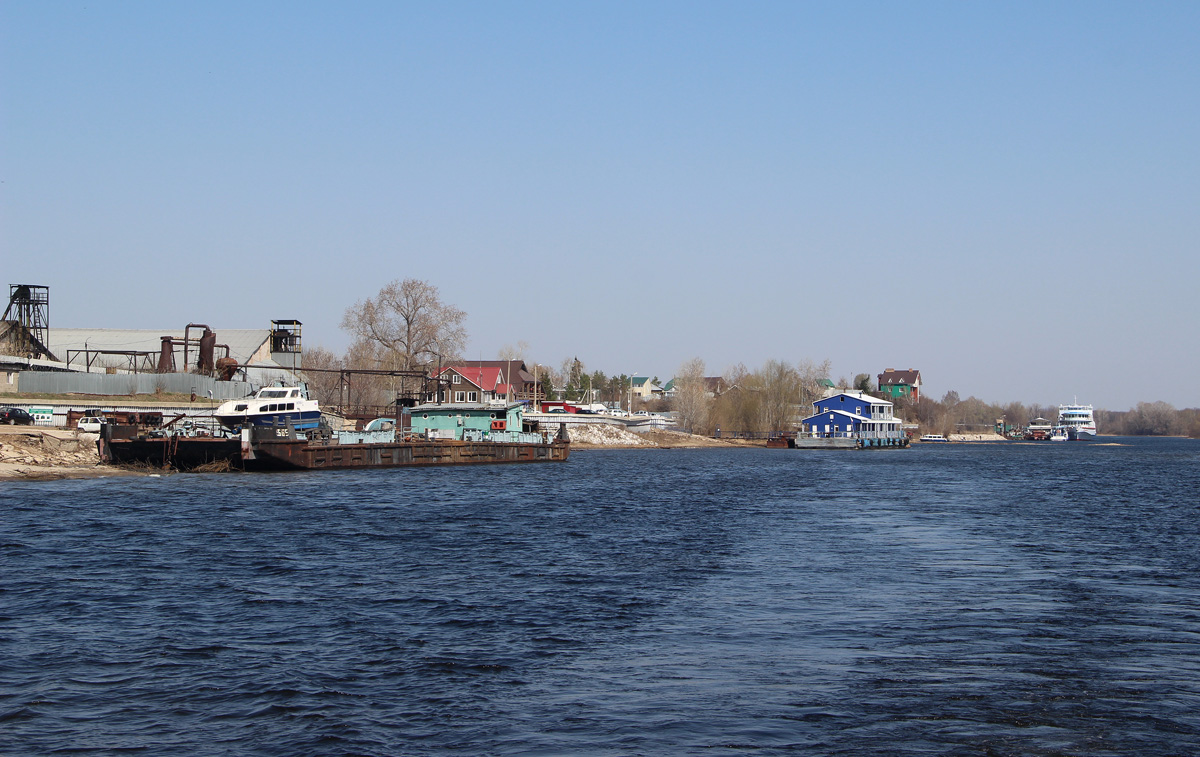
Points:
(1001, 599)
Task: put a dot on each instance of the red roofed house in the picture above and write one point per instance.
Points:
(484, 380)
(895, 384)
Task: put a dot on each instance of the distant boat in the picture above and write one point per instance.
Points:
(272, 406)
(933, 438)
(1059, 434)
(1076, 421)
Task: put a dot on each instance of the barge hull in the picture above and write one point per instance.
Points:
(170, 452)
(264, 449)
(299, 455)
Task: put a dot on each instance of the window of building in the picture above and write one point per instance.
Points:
(459, 396)
(472, 396)
(455, 379)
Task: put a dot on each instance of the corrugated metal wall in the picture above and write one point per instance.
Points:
(49, 382)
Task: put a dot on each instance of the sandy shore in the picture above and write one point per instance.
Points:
(40, 454)
(611, 437)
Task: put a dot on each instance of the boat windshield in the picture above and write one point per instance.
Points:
(270, 394)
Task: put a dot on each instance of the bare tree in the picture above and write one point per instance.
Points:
(367, 389)
(811, 375)
(410, 321)
(322, 386)
(509, 352)
(692, 400)
(780, 391)
(1154, 419)
(736, 411)
(572, 371)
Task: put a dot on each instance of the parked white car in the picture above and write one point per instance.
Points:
(90, 424)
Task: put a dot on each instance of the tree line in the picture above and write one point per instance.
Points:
(407, 327)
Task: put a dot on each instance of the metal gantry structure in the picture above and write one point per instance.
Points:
(29, 307)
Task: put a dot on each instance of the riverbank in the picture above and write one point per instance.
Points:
(40, 454)
(597, 436)
(43, 454)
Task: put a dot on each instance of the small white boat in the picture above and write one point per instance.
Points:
(272, 406)
(1059, 434)
(933, 438)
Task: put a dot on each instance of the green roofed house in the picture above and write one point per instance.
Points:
(642, 386)
(894, 384)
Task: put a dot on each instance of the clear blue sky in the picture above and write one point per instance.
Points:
(1003, 195)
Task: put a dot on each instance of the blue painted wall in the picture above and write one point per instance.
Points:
(844, 403)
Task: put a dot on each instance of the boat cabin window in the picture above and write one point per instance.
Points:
(291, 406)
(295, 392)
(239, 408)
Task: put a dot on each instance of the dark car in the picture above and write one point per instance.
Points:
(15, 416)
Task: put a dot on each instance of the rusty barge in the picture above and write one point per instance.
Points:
(424, 435)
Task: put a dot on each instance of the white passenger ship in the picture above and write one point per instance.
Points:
(276, 405)
(1076, 421)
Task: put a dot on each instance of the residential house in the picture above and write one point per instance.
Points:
(852, 414)
(901, 384)
(714, 386)
(643, 387)
(472, 383)
(525, 386)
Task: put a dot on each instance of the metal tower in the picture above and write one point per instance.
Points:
(29, 306)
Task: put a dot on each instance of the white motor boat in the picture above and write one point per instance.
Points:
(271, 406)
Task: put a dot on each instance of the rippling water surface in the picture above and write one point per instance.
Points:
(954, 599)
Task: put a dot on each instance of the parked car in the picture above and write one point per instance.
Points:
(15, 416)
(90, 424)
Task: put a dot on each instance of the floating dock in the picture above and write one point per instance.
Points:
(793, 441)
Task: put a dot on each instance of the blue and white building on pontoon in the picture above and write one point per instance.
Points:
(852, 415)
